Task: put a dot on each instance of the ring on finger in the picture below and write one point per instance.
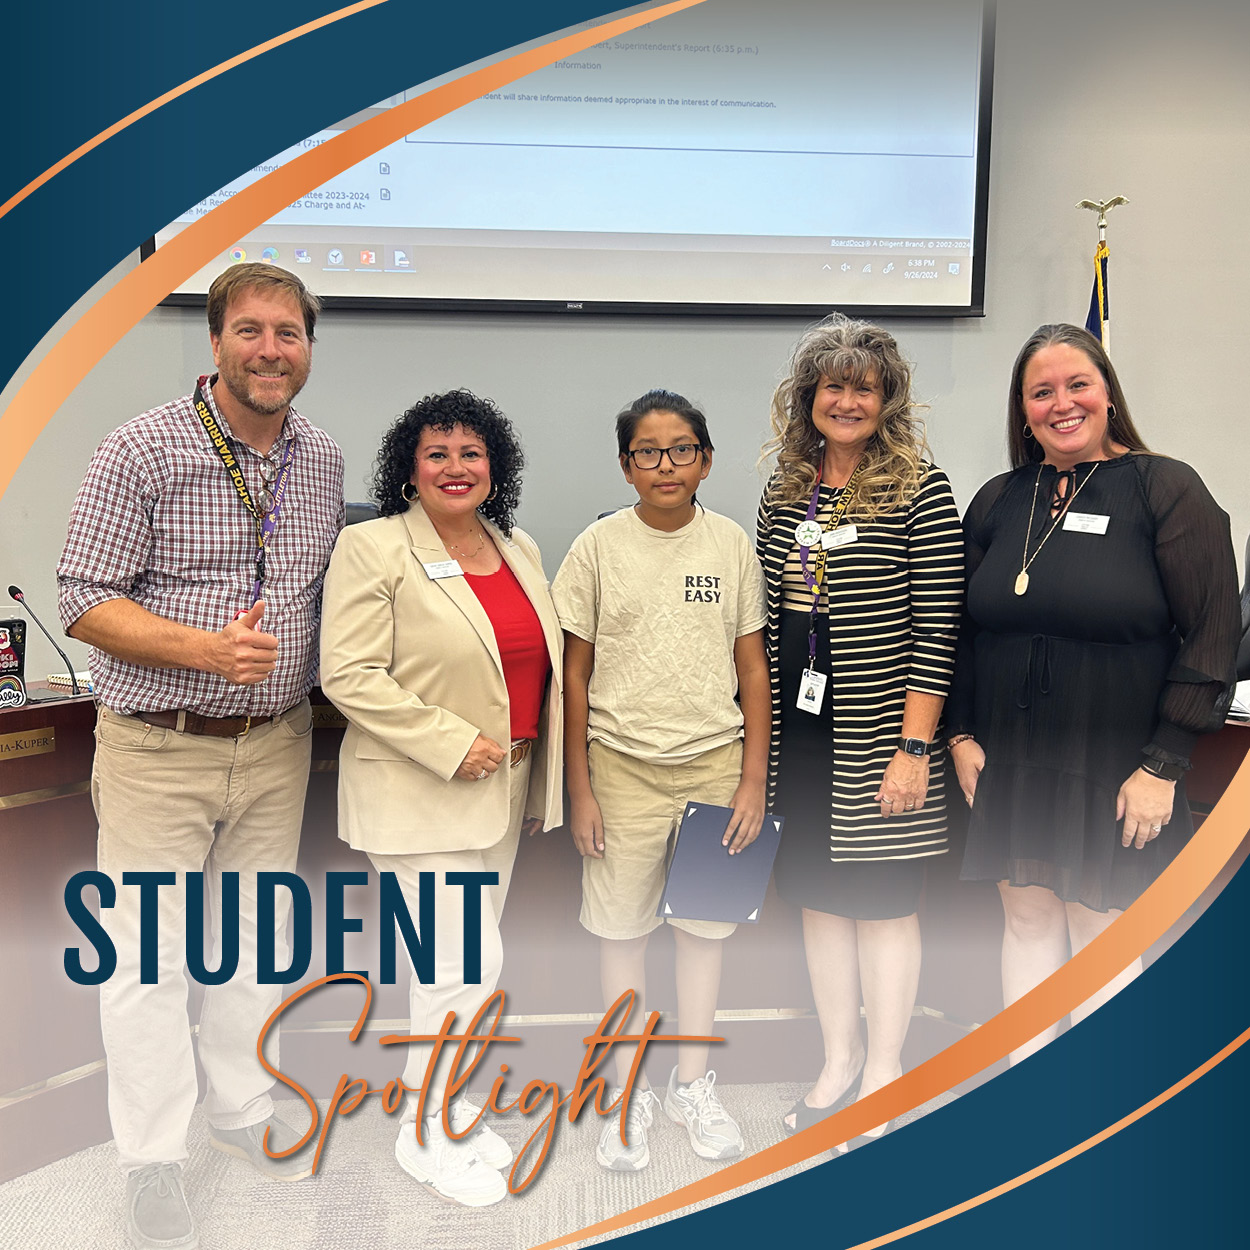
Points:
(1157, 828)
(482, 775)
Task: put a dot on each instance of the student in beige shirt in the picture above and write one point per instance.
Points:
(662, 607)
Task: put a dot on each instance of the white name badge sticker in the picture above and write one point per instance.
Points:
(811, 691)
(438, 569)
(843, 536)
(1086, 522)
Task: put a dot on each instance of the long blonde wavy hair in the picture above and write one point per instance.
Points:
(838, 347)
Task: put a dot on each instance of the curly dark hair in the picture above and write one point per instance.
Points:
(392, 469)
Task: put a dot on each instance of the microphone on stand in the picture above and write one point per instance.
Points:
(17, 596)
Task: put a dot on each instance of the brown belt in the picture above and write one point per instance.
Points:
(210, 726)
(521, 747)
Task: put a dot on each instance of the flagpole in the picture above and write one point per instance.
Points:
(1098, 322)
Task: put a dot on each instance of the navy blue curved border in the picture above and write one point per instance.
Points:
(78, 67)
(1172, 1179)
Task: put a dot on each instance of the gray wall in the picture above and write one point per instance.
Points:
(1091, 100)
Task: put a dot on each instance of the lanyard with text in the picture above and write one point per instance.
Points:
(265, 522)
(809, 534)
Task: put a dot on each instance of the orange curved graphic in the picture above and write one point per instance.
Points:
(132, 298)
(1147, 920)
(1110, 1131)
(117, 127)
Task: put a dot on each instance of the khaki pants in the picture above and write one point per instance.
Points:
(428, 1005)
(642, 805)
(171, 802)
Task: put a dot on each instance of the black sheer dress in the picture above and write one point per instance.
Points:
(1123, 643)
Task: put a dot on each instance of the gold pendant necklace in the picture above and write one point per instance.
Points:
(1022, 578)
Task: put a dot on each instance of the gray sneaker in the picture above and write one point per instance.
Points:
(249, 1143)
(713, 1132)
(616, 1156)
(157, 1215)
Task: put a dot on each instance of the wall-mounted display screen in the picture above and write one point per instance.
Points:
(737, 157)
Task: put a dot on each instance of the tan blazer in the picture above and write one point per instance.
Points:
(412, 663)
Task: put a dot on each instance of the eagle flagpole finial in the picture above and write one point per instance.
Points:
(1103, 207)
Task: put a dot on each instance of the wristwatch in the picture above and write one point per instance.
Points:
(1160, 768)
(914, 746)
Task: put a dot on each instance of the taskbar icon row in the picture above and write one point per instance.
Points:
(376, 259)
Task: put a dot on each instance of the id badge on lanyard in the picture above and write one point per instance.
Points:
(812, 691)
(810, 535)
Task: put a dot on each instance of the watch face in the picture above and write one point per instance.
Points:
(914, 746)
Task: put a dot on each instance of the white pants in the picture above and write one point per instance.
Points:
(170, 802)
(428, 1005)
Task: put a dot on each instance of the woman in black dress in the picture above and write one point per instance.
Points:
(862, 555)
(1099, 638)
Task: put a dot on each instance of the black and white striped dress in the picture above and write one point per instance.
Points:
(888, 621)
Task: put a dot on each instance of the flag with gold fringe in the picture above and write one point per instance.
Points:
(1098, 322)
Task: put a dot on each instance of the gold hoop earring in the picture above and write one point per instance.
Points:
(1111, 414)
(1028, 433)
(409, 492)
(494, 490)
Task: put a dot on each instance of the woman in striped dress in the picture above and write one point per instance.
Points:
(862, 554)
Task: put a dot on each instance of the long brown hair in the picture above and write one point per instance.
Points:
(1120, 427)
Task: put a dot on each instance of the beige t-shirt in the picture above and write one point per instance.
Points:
(663, 612)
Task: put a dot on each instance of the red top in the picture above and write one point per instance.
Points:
(522, 647)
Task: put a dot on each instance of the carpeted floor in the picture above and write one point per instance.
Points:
(361, 1199)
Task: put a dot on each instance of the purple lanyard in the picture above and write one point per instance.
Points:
(805, 548)
(266, 526)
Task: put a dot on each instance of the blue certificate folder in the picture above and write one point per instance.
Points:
(704, 881)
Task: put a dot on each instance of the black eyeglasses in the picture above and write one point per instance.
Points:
(679, 456)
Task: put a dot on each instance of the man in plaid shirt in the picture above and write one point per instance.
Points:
(193, 566)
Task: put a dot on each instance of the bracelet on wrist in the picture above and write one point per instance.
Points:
(1162, 769)
(958, 738)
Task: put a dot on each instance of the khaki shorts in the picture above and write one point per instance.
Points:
(642, 805)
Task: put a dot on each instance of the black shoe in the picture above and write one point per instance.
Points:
(805, 1116)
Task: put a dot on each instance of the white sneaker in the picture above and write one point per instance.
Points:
(450, 1169)
(611, 1153)
(490, 1147)
(713, 1132)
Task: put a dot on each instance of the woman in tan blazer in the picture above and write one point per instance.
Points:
(440, 645)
